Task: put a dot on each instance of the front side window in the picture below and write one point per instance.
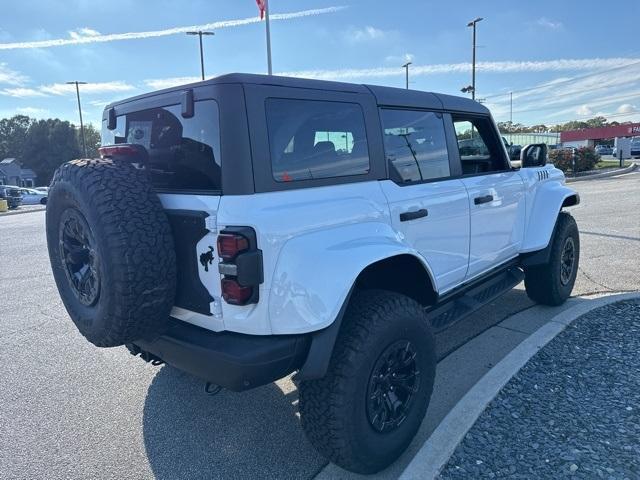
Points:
(415, 145)
(184, 153)
(481, 150)
(311, 139)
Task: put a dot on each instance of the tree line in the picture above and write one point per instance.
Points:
(596, 122)
(43, 145)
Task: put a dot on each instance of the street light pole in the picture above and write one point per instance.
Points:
(84, 144)
(200, 33)
(511, 108)
(406, 68)
(472, 24)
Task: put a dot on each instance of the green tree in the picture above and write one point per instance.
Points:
(92, 137)
(49, 143)
(13, 134)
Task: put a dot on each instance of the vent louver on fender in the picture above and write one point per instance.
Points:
(542, 174)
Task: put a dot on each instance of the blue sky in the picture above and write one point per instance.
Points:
(563, 60)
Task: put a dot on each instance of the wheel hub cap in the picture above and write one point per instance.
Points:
(394, 381)
(567, 260)
(79, 257)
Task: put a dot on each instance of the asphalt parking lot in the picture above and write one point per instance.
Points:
(70, 410)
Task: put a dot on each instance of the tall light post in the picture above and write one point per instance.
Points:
(472, 24)
(511, 108)
(84, 145)
(200, 33)
(406, 69)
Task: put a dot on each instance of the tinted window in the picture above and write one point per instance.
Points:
(184, 153)
(312, 139)
(480, 149)
(415, 145)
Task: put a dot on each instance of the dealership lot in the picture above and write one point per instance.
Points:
(70, 410)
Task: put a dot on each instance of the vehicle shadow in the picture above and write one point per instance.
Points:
(253, 434)
(491, 314)
(257, 434)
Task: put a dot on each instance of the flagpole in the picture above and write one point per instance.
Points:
(266, 17)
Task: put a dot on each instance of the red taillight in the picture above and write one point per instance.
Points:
(234, 293)
(230, 245)
(117, 150)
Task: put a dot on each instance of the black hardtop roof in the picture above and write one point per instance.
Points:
(384, 95)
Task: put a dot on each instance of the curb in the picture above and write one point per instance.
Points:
(613, 173)
(20, 212)
(439, 447)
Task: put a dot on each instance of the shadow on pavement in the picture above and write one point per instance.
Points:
(256, 434)
(512, 302)
(253, 434)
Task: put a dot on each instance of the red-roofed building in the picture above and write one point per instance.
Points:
(591, 136)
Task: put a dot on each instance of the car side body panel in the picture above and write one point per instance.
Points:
(307, 293)
(315, 242)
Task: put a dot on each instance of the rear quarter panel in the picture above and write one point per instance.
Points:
(315, 242)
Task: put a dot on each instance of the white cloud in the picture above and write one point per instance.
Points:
(546, 23)
(22, 92)
(584, 110)
(78, 37)
(66, 89)
(160, 83)
(407, 57)
(609, 92)
(355, 35)
(34, 112)
(83, 32)
(9, 76)
(626, 108)
(91, 88)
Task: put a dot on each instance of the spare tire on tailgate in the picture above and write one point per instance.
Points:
(111, 250)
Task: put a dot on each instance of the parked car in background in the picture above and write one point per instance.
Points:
(11, 195)
(604, 150)
(42, 189)
(31, 196)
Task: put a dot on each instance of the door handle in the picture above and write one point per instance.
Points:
(407, 216)
(483, 199)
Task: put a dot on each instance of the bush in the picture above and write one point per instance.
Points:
(586, 159)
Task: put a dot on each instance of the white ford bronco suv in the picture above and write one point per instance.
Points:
(247, 227)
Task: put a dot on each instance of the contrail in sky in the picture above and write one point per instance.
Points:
(87, 35)
(444, 68)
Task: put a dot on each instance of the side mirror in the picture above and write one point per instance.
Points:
(534, 155)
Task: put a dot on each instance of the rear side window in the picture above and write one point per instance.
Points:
(311, 139)
(184, 153)
(415, 145)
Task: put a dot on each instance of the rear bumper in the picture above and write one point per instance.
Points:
(231, 360)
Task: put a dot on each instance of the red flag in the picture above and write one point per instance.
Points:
(262, 5)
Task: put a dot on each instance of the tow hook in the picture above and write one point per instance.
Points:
(212, 389)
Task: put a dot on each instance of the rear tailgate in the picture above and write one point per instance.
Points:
(198, 293)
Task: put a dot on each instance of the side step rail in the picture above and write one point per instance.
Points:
(464, 303)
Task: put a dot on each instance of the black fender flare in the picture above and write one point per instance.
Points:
(321, 348)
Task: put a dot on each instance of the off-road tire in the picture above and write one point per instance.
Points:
(132, 245)
(333, 409)
(543, 282)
